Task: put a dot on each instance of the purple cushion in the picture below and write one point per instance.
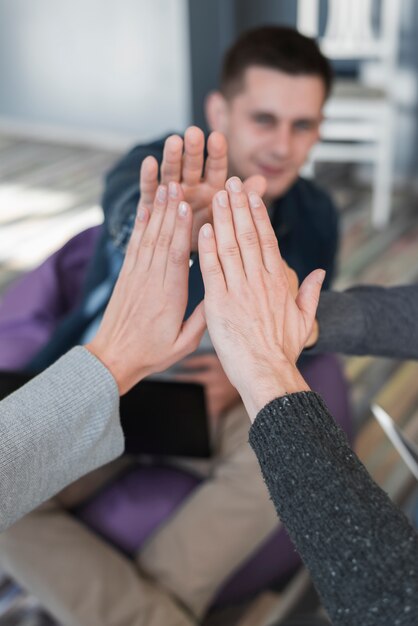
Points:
(127, 511)
(31, 307)
(132, 507)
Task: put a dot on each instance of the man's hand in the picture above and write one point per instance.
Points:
(183, 162)
(142, 330)
(257, 326)
(207, 370)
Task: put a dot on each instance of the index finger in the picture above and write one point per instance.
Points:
(194, 146)
(172, 160)
(216, 168)
(267, 237)
(148, 182)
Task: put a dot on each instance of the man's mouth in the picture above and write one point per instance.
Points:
(271, 170)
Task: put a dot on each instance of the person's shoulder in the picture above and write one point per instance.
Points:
(154, 147)
(128, 164)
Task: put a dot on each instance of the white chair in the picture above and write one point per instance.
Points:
(358, 125)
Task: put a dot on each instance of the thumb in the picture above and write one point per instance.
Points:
(192, 331)
(256, 183)
(308, 296)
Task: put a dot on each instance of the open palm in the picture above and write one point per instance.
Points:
(184, 162)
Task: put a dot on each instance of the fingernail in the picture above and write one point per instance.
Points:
(141, 215)
(222, 199)
(255, 200)
(183, 208)
(207, 231)
(321, 276)
(162, 193)
(234, 184)
(173, 190)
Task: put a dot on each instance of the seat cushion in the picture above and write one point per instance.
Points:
(134, 505)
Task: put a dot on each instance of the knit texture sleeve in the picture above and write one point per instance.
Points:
(61, 425)
(360, 549)
(369, 320)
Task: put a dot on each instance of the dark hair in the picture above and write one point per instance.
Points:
(276, 47)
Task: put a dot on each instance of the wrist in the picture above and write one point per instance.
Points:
(115, 364)
(281, 381)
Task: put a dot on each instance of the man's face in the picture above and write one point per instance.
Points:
(271, 125)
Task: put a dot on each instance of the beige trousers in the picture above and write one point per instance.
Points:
(83, 581)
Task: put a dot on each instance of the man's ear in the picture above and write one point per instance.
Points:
(216, 111)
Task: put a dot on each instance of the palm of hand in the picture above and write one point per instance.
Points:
(184, 162)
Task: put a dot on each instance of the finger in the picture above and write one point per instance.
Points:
(152, 231)
(191, 332)
(165, 237)
(256, 183)
(148, 182)
(268, 241)
(135, 240)
(245, 230)
(172, 160)
(213, 276)
(193, 158)
(216, 168)
(177, 267)
(308, 297)
(226, 241)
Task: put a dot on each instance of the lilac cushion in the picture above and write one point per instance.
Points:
(127, 511)
(132, 507)
(31, 307)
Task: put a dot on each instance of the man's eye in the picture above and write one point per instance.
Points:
(263, 120)
(303, 125)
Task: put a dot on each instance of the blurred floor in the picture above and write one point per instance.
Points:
(48, 192)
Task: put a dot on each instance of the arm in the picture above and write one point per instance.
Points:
(58, 427)
(360, 549)
(65, 422)
(362, 553)
(369, 320)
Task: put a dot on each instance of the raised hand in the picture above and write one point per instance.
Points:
(184, 162)
(257, 326)
(142, 330)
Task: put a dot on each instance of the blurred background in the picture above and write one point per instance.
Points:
(82, 81)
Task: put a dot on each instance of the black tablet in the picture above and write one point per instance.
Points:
(158, 418)
(165, 418)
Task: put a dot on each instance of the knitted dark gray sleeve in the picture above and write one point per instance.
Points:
(360, 549)
(369, 320)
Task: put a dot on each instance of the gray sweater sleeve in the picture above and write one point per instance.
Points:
(360, 549)
(369, 320)
(59, 426)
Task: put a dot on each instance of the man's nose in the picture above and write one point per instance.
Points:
(282, 141)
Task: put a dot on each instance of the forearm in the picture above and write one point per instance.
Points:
(58, 427)
(360, 549)
(369, 320)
